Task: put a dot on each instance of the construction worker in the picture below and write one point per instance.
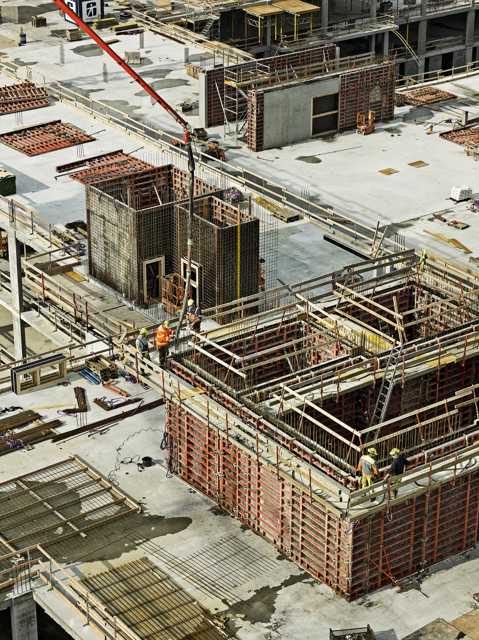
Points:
(142, 348)
(367, 466)
(164, 335)
(396, 469)
(194, 316)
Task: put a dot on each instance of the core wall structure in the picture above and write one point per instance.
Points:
(351, 558)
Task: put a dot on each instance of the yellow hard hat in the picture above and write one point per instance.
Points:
(166, 324)
(394, 452)
(143, 332)
(373, 451)
(190, 302)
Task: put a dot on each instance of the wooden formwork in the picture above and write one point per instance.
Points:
(353, 557)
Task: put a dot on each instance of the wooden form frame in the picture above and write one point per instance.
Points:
(37, 380)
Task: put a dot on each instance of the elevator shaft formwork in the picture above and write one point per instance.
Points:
(289, 408)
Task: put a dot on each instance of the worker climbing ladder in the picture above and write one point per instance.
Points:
(386, 389)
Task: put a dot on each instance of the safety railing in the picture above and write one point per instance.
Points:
(35, 562)
(333, 31)
(330, 220)
(436, 6)
(437, 77)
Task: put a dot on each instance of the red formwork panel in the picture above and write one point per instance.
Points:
(255, 120)
(22, 97)
(370, 89)
(43, 138)
(215, 78)
(351, 558)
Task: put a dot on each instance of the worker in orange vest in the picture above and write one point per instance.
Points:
(164, 335)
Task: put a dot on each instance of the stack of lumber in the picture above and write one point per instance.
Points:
(105, 23)
(74, 34)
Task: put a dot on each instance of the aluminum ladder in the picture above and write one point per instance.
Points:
(386, 389)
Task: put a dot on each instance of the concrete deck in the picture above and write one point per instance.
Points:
(278, 599)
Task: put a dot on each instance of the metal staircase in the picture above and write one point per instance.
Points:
(387, 386)
(207, 28)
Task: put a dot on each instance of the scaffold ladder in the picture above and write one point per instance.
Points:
(387, 386)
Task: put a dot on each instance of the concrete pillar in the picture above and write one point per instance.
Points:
(424, 8)
(14, 258)
(187, 55)
(324, 14)
(470, 34)
(24, 618)
(459, 60)
(435, 63)
(268, 33)
(422, 33)
(373, 5)
(421, 47)
(385, 43)
(372, 43)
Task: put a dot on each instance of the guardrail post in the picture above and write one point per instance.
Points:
(51, 578)
(87, 623)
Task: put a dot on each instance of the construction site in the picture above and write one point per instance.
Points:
(247, 232)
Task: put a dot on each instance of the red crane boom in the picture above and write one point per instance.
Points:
(101, 43)
(176, 116)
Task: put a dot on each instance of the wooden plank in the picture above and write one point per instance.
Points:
(101, 423)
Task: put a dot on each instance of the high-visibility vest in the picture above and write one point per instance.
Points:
(163, 336)
(193, 315)
(367, 466)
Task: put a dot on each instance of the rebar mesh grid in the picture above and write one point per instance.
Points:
(55, 503)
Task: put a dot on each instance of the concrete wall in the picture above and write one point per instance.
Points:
(21, 13)
(287, 112)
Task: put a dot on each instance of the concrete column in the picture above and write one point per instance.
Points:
(268, 34)
(385, 43)
(324, 14)
(471, 14)
(14, 258)
(187, 55)
(421, 47)
(373, 5)
(422, 33)
(24, 618)
(424, 8)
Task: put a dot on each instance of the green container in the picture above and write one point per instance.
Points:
(7, 183)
